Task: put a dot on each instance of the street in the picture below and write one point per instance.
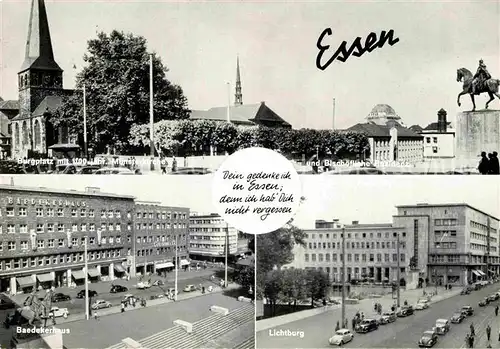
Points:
(404, 333)
(77, 305)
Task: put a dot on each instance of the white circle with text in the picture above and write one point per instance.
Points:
(256, 190)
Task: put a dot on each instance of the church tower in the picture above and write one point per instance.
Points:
(238, 97)
(40, 76)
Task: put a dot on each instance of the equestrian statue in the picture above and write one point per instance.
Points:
(477, 84)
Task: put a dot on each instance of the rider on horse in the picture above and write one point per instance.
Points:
(480, 77)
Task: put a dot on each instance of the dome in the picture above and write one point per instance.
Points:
(381, 114)
(383, 109)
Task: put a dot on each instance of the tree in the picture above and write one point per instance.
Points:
(245, 277)
(317, 283)
(116, 77)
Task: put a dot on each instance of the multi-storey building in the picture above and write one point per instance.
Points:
(158, 230)
(445, 244)
(207, 238)
(43, 232)
(370, 249)
(451, 243)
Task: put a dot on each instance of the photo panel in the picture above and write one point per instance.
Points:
(121, 262)
(387, 262)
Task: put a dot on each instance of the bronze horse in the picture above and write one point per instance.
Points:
(490, 86)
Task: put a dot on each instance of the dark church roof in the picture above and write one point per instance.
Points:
(245, 114)
(378, 131)
(49, 104)
(9, 105)
(39, 53)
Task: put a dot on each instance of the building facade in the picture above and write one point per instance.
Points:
(158, 230)
(438, 244)
(370, 249)
(452, 243)
(207, 238)
(43, 232)
(439, 138)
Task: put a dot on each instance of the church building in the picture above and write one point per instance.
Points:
(40, 85)
(242, 114)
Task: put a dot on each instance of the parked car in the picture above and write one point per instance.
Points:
(88, 169)
(484, 302)
(421, 305)
(189, 288)
(118, 289)
(57, 312)
(405, 311)
(468, 310)
(458, 317)
(158, 283)
(465, 291)
(442, 326)
(129, 296)
(143, 285)
(388, 317)
(114, 170)
(491, 298)
(367, 325)
(428, 339)
(100, 304)
(341, 337)
(81, 294)
(60, 297)
(191, 171)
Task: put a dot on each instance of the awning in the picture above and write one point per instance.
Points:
(78, 274)
(25, 281)
(93, 272)
(165, 265)
(481, 272)
(476, 273)
(184, 262)
(45, 277)
(119, 268)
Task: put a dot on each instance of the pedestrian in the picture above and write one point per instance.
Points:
(353, 323)
(499, 335)
(123, 307)
(494, 166)
(203, 289)
(471, 342)
(488, 332)
(96, 316)
(467, 341)
(496, 310)
(346, 323)
(338, 328)
(362, 316)
(472, 332)
(484, 164)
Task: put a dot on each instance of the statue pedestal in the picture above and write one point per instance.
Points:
(476, 132)
(412, 280)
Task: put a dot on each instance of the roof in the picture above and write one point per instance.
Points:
(49, 104)
(383, 109)
(244, 114)
(373, 130)
(415, 128)
(247, 262)
(63, 192)
(9, 105)
(447, 205)
(433, 126)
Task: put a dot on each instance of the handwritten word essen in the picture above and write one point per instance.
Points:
(256, 190)
(357, 49)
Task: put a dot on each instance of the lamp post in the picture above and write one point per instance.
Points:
(176, 269)
(85, 142)
(151, 112)
(343, 276)
(226, 252)
(398, 281)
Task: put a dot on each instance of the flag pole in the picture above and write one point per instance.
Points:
(151, 112)
(176, 269)
(85, 146)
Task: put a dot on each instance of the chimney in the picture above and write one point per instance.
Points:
(442, 124)
(263, 103)
(92, 190)
(355, 222)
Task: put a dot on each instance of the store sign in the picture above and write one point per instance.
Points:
(68, 236)
(45, 202)
(33, 240)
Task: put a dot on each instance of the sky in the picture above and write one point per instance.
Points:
(276, 43)
(367, 199)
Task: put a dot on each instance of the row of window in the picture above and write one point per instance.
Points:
(84, 212)
(51, 243)
(357, 245)
(446, 222)
(385, 235)
(32, 262)
(481, 226)
(364, 257)
(157, 251)
(151, 226)
(482, 237)
(159, 238)
(62, 228)
(478, 247)
(438, 234)
(207, 230)
(352, 273)
(208, 246)
(449, 258)
(216, 221)
(162, 215)
(445, 245)
(209, 237)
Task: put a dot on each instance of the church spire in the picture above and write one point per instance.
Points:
(39, 53)
(238, 97)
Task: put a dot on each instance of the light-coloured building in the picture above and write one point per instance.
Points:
(441, 243)
(207, 238)
(371, 251)
(439, 138)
